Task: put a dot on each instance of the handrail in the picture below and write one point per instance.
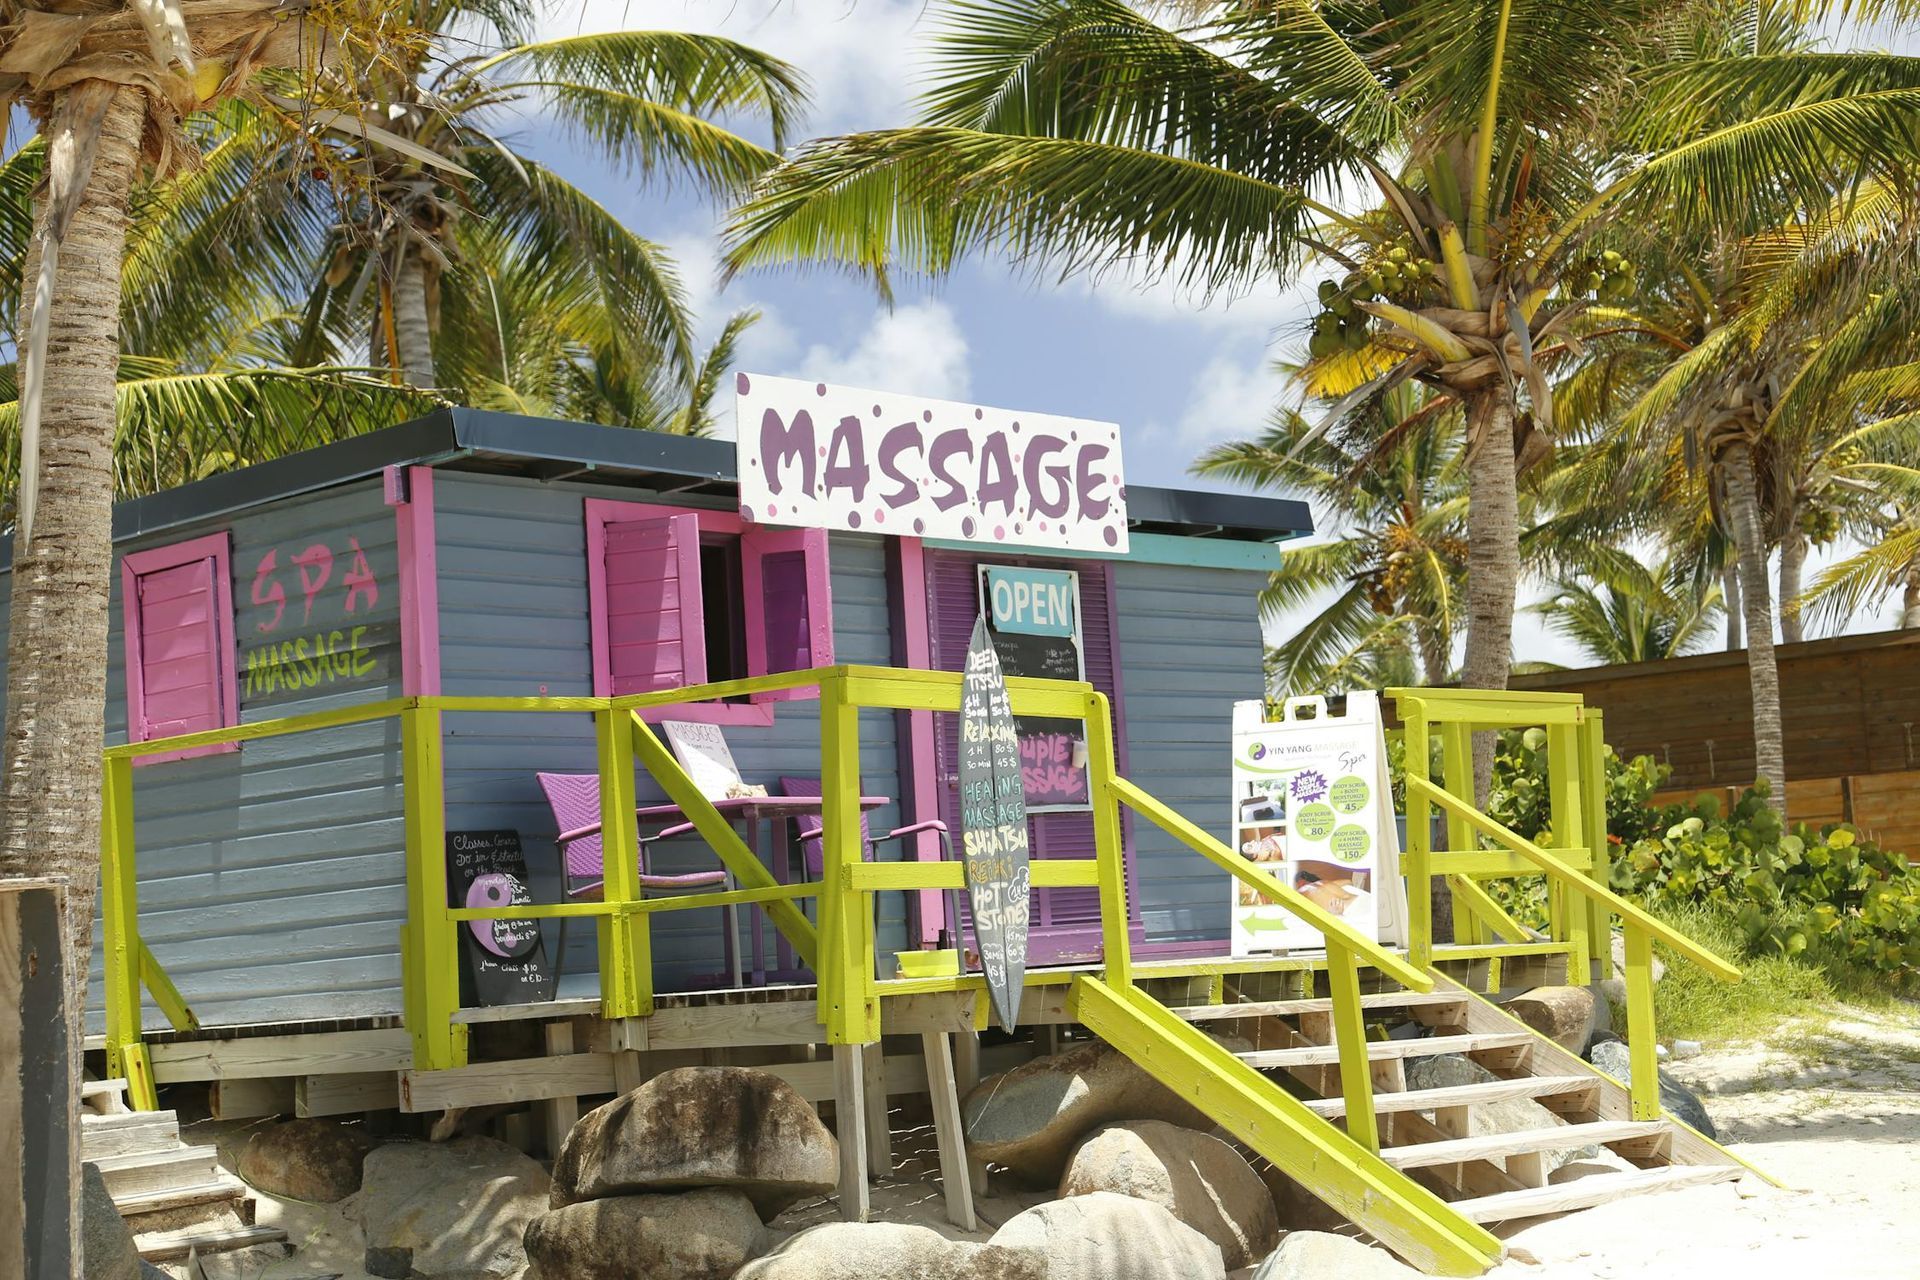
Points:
(1308, 911)
(1587, 888)
(256, 729)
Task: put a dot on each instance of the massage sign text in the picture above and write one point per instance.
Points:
(318, 606)
(824, 457)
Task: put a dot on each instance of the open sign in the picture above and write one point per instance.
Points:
(1034, 602)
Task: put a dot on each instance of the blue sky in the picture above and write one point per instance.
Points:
(1176, 372)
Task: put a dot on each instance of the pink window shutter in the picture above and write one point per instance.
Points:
(177, 616)
(789, 603)
(649, 623)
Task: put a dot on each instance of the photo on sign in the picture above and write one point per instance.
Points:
(1033, 616)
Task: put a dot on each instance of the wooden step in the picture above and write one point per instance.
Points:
(1466, 1095)
(104, 1097)
(1293, 1008)
(1585, 1193)
(127, 1133)
(173, 1246)
(1327, 1055)
(1492, 1146)
(221, 1187)
(157, 1170)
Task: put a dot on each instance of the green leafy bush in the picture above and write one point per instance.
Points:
(1829, 897)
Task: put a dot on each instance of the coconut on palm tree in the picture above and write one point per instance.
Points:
(1080, 136)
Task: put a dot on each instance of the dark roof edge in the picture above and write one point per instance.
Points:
(446, 435)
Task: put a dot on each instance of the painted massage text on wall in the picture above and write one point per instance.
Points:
(319, 607)
(825, 457)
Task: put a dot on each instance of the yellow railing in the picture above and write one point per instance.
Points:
(841, 948)
(1580, 905)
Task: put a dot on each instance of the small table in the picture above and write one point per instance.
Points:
(750, 812)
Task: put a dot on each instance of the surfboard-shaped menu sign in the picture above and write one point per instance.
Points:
(993, 825)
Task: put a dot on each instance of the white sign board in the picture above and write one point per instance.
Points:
(702, 751)
(824, 457)
(1313, 805)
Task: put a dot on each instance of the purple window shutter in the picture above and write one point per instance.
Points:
(179, 655)
(789, 603)
(1066, 922)
(656, 633)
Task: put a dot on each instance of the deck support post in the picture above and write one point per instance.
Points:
(943, 1095)
(850, 1124)
(849, 1002)
(1109, 843)
(1572, 918)
(873, 1089)
(1593, 756)
(559, 1114)
(1350, 1035)
(1642, 1049)
(966, 1074)
(120, 935)
(1419, 861)
(626, 939)
(431, 953)
(1456, 766)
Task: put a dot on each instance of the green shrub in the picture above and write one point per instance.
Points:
(1830, 898)
(1691, 1004)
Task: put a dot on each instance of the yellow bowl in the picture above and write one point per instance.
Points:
(928, 964)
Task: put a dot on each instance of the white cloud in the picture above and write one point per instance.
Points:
(1230, 400)
(1261, 310)
(858, 56)
(917, 348)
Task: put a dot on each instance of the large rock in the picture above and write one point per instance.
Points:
(1612, 1056)
(706, 1234)
(458, 1209)
(1318, 1255)
(877, 1250)
(1029, 1119)
(1447, 1070)
(1198, 1178)
(105, 1244)
(701, 1127)
(1614, 989)
(313, 1159)
(1103, 1236)
(1563, 1015)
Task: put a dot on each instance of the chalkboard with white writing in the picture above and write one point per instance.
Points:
(506, 959)
(993, 823)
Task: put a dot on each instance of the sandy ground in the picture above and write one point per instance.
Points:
(1831, 1110)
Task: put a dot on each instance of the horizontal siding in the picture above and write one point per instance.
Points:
(1189, 647)
(272, 879)
(514, 621)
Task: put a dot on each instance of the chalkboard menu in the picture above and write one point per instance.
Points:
(506, 959)
(1034, 618)
(993, 823)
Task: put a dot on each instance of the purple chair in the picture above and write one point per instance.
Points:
(813, 851)
(575, 800)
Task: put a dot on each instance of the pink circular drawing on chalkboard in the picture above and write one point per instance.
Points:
(508, 939)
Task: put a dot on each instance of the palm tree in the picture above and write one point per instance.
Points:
(108, 86)
(399, 259)
(1725, 398)
(1395, 570)
(1080, 136)
(1624, 611)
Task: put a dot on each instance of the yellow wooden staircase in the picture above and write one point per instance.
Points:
(1436, 1179)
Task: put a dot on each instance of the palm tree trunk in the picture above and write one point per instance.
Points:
(1793, 560)
(1730, 592)
(1433, 657)
(1763, 675)
(1910, 600)
(412, 330)
(1493, 560)
(57, 638)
